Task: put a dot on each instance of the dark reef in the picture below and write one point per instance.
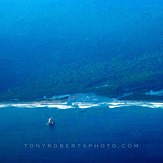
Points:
(52, 48)
(109, 78)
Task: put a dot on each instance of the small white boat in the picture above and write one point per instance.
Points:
(50, 121)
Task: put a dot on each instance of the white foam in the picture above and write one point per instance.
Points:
(4, 105)
(82, 105)
(115, 106)
(82, 101)
(135, 103)
(59, 106)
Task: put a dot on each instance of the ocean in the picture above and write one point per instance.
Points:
(55, 47)
(84, 133)
(95, 66)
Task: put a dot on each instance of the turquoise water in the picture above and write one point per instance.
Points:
(23, 133)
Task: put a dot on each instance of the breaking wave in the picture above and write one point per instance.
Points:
(81, 101)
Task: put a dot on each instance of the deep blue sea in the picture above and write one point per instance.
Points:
(40, 40)
(74, 47)
(93, 129)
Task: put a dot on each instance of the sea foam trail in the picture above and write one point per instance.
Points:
(81, 101)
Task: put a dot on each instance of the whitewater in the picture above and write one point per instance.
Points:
(81, 101)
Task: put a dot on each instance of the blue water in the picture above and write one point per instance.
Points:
(139, 126)
(51, 47)
(38, 37)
